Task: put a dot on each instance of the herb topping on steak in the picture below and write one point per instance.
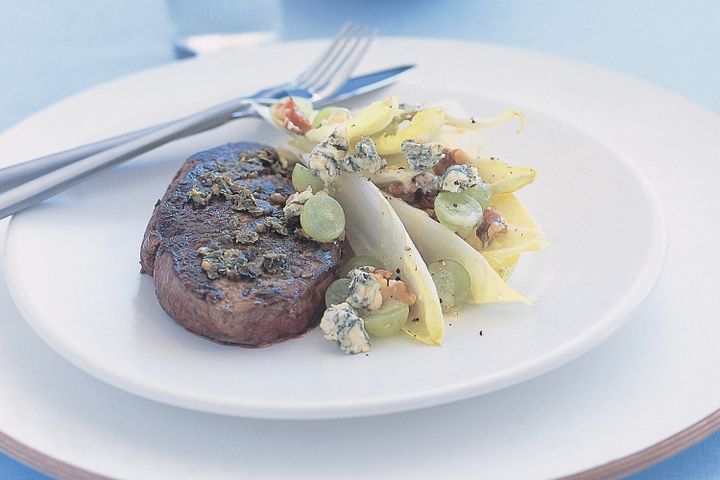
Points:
(226, 262)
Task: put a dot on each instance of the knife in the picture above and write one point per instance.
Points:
(362, 84)
(20, 173)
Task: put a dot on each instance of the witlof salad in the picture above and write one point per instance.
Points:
(430, 216)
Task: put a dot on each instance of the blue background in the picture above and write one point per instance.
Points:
(49, 50)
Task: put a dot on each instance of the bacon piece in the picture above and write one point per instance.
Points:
(420, 192)
(382, 275)
(492, 225)
(390, 288)
(419, 199)
(399, 290)
(453, 156)
(292, 117)
(396, 189)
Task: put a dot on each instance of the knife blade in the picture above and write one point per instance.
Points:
(367, 83)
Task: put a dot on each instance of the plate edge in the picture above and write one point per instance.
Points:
(562, 355)
(622, 466)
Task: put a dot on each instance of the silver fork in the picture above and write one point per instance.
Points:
(320, 80)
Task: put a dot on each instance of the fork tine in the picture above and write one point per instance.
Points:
(336, 77)
(340, 38)
(342, 45)
(339, 56)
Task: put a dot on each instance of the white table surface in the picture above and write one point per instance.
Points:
(49, 50)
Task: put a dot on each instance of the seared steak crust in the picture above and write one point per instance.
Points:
(278, 290)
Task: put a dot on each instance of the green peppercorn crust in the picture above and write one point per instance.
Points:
(226, 263)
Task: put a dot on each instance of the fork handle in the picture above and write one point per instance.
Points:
(22, 172)
(49, 184)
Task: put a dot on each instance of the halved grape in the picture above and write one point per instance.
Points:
(388, 319)
(322, 218)
(322, 115)
(337, 292)
(359, 261)
(459, 212)
(452, 282)
(302, 177)
(481, 193)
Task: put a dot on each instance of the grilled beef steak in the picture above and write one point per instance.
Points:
(225, 262)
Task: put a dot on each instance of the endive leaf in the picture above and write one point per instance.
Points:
(501, 177)
(437, 242)
(423, 127)
(503, 265)
(523, 235)
(368, 121)
(373, 228)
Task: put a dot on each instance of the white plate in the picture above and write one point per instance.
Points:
(83, 294)
(651, 380)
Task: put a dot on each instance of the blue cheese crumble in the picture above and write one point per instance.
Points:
(406, 111)
(365, 159)
(342, 324)
(410, 107)
(365, 291)
(420, 156)
(327, 156)
(294, 203)
(460, 177)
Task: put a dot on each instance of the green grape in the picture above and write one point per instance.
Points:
(386, 320)
(481, 193)
(322, 115)
(302, 177)
(337, 292)
(360, 261)
(459, 212)
(452, 282)
(322, 218)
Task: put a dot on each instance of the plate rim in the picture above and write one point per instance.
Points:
(619, 467)
(693, 433)
(610, 323)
